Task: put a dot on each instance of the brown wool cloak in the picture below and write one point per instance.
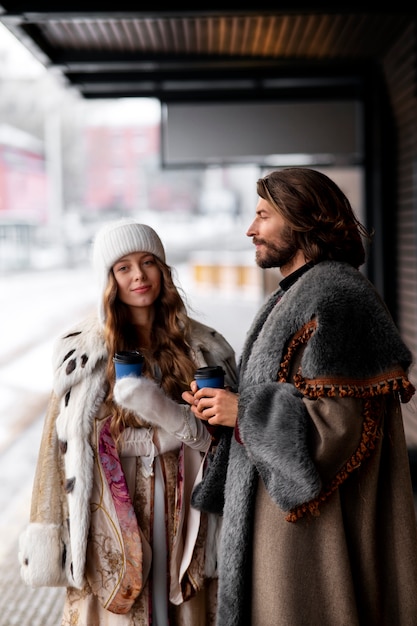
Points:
(319, 526)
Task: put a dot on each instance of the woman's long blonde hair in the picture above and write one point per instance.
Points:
(170, 351)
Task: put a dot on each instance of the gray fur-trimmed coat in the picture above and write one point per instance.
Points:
(318, 473)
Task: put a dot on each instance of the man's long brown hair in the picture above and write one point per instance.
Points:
(170, 352)
(319, 214)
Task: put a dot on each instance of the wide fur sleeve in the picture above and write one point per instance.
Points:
(304, 449)
(52, 548)
(44, 546)
(273, 425)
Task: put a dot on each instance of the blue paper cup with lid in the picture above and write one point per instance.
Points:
(128, 363)
(210, 376)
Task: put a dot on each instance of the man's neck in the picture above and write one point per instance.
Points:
(290, 279)
(296, 262)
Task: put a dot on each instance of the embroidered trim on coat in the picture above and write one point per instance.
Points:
(392, 382)
(370, 435)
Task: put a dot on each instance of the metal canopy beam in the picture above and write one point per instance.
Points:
(219, 51)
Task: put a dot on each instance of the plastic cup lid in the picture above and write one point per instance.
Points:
(128, 356)
(211, 371)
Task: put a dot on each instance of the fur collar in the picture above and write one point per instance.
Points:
(354, 335)
(77, 353)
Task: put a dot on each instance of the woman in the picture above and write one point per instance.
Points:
(111, 518)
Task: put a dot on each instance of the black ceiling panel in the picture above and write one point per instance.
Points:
(225, 53)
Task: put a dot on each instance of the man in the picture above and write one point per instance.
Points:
(319, 525)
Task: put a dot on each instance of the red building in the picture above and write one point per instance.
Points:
(23, 178)
(117, 162)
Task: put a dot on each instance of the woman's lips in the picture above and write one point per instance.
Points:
(143, 289)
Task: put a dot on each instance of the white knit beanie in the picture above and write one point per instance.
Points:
(116, 239)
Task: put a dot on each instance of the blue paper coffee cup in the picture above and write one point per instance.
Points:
(210, 376)
(128, 363)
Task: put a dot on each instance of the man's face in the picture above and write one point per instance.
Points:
(273, 240)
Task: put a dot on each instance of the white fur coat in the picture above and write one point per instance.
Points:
(53, 547)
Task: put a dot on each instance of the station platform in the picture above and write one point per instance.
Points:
(21, 605)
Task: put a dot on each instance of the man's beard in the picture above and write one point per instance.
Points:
(274, 256)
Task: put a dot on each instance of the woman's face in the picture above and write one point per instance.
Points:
(138, 279)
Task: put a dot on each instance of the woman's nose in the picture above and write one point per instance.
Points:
(139, 272)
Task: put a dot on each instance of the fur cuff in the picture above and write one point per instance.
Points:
(273, 426)
(43, 557)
